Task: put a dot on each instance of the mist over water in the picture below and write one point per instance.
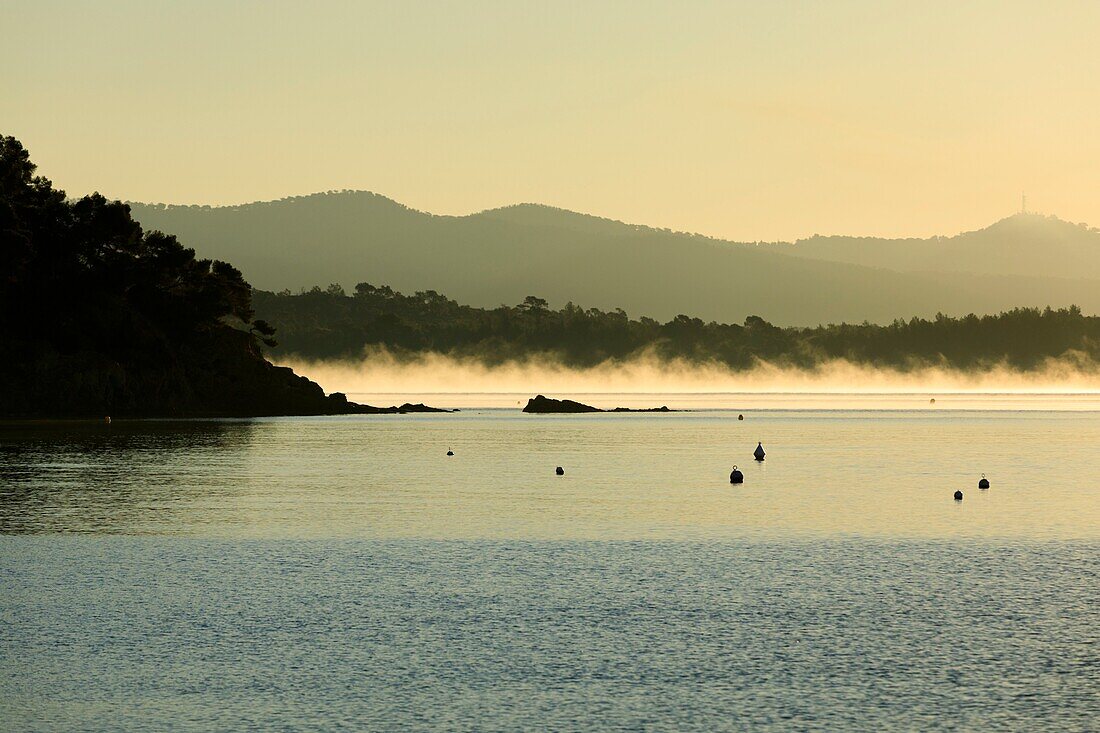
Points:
(1068, 383)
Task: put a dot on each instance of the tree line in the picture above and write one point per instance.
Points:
(324, 323)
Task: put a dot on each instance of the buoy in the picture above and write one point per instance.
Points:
(559, 471)
(740, 417)
(450, 452)
(736, 477)
(932, 401)
(983, 483)
(958, 496)
(759, 454)
(107, 419)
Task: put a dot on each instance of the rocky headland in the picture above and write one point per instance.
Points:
(101, 318)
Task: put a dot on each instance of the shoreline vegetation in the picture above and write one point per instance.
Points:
(328, 324)
(101, 318)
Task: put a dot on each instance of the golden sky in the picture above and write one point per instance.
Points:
(762, 120)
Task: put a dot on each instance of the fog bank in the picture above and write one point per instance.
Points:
(380, 372)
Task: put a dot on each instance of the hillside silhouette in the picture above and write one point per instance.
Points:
(502, 255)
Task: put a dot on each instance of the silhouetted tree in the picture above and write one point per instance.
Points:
(265, 330)
(531, 304)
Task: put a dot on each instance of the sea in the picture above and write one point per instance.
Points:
(345, 573)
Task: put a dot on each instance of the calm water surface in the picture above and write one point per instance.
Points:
(344, 573)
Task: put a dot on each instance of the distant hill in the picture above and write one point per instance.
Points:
(1025, 244)
(502, 255)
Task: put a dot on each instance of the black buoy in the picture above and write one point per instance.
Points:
(736, 477)
(450, 452)
(958, 496)
(983, 483)
(740, 417)
(559, 471)
(759, 454)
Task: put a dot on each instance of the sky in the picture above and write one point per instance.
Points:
(743, 120)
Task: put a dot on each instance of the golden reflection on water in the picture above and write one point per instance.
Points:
(879, 473)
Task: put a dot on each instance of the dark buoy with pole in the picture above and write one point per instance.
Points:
(450, 452)
(559, 471)
(958, 496)
(736, 477)
(759, 453)
(740, 417)
(983, 483)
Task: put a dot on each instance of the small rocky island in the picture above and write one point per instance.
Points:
(547, 405)
(418, 407)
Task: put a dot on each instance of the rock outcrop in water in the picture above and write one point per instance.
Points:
(541, 404)
(99, 317)
(418, 407)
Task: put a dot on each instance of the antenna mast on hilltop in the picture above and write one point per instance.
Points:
(1023, 203)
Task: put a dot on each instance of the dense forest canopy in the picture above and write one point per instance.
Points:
(329, 323)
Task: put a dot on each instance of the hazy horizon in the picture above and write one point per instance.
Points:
(741, 121)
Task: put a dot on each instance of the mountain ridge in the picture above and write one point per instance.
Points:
(498, 212)
(502, 255)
